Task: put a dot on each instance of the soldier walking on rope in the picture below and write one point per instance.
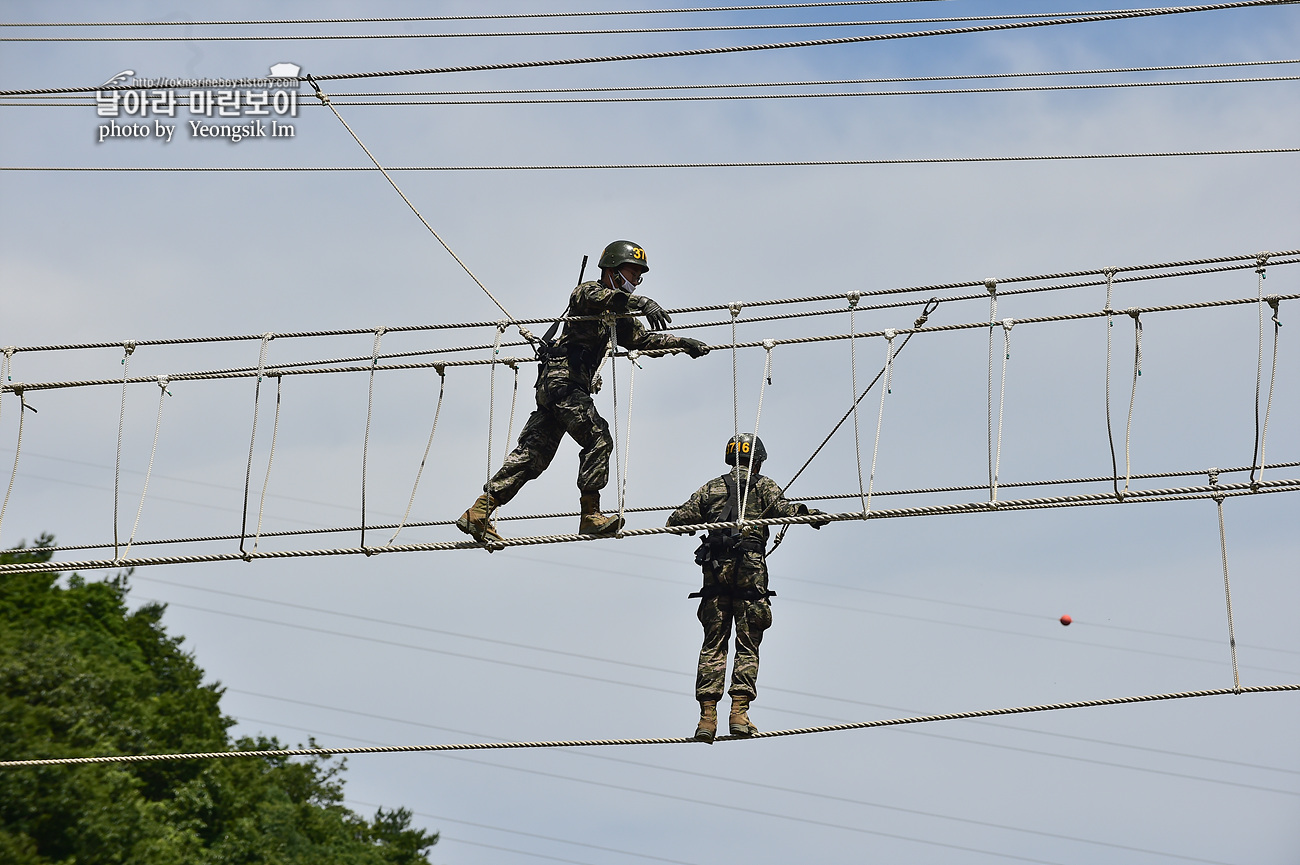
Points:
(735, 579)
(564, 386)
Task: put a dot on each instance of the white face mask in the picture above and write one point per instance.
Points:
(621, 282)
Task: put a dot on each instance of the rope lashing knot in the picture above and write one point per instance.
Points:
(1273, 300)
(162, 384)
(440, 369)
(1007, 324)
(634, 354)
(769, 344)
(129, 348)
(22, 400)
(930, 306)
(734, 308)
(320, 94)
(991, 285)
(261, 363)
(1261, 262)
(854, 297)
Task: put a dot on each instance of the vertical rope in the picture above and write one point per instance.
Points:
(762, 388)
(627, 444)
(266, 481)
(129, 348)
(1007, 324)
(492, 394)
(18, 447)
(1227, 586)
(1110, 435)
(992, 286)
(885, 389)
(442, 386)
(1273, 301)
(365, 442)
(613, 385)
(1137, 373)
(153, 451)
(734, 309)
(252, 439)
(1255, 457)
(853, 297)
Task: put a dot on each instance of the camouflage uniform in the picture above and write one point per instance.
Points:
(735, 584)
(564, 403)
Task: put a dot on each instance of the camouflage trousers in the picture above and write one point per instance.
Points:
(558, 412)
(717, 614)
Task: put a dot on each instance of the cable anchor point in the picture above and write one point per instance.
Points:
(320, 94)
(1261, 262)
(734, 308)
(991, 285)
(926, 311)
(853, 298)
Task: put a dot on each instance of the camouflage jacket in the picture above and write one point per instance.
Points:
(709, 502)
(576, 355)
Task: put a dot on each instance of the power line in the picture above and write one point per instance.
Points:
(419, 18)
(625, 31)
(807, 163)
(674, 740)
(736, 49)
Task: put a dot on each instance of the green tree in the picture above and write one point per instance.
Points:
(81, 675)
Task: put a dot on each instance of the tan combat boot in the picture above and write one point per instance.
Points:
(708, 726)
(477, 521)
(593, 521)
(740, 725)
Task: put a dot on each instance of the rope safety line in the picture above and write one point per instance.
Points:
(853, 383)
(991, 285)
(627, 443)
(153, 451)
(492, 396)
(252, 439)
(1110, 436)
(1251, 258)
(365, 441)
(656, 508)
(6, 367)
(1274, 302)
(734, 308)
(887, 372)
(1290, 485)
(1261, 262)
(266, 481)
(1007, 324)
(577, 743)
(612, 349)
(758, 416)
(442, 387)
(1227, 587)
(1137, 373)
(325, 100)
(129, 348)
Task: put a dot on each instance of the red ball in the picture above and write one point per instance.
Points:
(1065, 620)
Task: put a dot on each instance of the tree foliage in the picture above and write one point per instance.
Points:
(81, 675)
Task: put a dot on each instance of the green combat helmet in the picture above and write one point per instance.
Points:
(622, 252)
(745, 443)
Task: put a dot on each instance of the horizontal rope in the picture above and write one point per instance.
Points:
(661, 508)
(1276, 260)
(942, 328)
(1132, 496)
(628, 166)
(589, 743)
(736, 49)
(620, 31)
(417, 18)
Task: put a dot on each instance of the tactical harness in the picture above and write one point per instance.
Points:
(577, 355)
(720, 546)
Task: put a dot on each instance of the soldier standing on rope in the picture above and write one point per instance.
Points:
(735, 579)
(564, 387)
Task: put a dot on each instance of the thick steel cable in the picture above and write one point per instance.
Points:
(492, 17)
(662, 508)
(1144, 496)
(613, 31)
(153, 451)
(834, 337)
(365, 441)
(579, 743)
(1132, 400)
(1041, 277)
(853, 392)
(270, 459)
(129, 348)
(1007, 324)
(436, 236)
(1227, 593)
(442, 387)
(1261, 262)
(620, 166)
(252, 438)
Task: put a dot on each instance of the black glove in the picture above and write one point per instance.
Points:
(805, 511)
(693, 347)
(654, 314)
